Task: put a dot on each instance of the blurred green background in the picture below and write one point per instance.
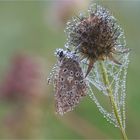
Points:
(31, 27)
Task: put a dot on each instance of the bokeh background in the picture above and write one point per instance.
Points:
(30, 31)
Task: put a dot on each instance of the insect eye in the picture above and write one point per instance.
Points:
(60, 53)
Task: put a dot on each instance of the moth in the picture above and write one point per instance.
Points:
(69, 82)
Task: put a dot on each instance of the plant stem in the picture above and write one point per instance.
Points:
(111, 97)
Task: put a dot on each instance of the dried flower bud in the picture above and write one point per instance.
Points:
(96, 36)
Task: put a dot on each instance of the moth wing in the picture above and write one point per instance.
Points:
(70, 86)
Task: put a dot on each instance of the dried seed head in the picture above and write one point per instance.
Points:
(69, 82)
(96, 36)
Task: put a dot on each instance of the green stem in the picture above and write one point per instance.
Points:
(111, 97)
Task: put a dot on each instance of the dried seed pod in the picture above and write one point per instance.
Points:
(96, 36)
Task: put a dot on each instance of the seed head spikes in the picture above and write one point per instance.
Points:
(95, 36)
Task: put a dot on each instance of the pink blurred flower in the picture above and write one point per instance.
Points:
(22, 80)
(23, 86)
(62, 10)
